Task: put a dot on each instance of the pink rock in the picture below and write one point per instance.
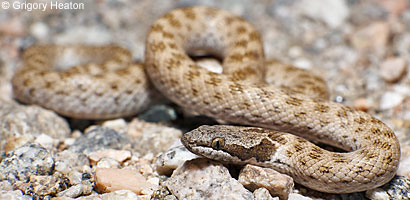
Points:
(362, 104)
(373, 36)
(253, 177)
(392, 69)
(111, 179)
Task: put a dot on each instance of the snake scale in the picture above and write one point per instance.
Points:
(105, 83)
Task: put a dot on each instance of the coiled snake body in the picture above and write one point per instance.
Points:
(239, 95)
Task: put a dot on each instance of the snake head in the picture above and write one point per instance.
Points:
(233, 144)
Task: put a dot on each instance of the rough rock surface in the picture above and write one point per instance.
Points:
(204, 179)
(99, 138)
(168, 161)
(22, 124)
(24, 162)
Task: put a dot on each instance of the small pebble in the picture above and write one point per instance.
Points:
(362, 104)
(263, 194)
(392, 69)
(76, 191)
(118, 155)
(107, 163)
(168, 161)
(210, 64)
(39, 30)
(119, 125)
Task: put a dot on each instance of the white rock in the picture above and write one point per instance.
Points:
(332, 12)
(173, 158)
(205, 179)
(377, 194)
(39, 30)
(118, 155)
(294, 196)
(302, 63)
(390, 100)
(119, 125)
(404, 167)
(107, 163)
(120, 195)
(45, 140)
(263, 194)
(210, 64)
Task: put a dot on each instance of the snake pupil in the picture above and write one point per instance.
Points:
(217, 143)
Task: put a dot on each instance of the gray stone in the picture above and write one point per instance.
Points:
(158, 113)
(43, 187)
(100, 138)
(26, 161)
(152, 138)
(72, 165)
(76, 190)
(353, 196)
(205, 179)
(22, 124)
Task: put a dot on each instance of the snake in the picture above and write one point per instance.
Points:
(279, 116)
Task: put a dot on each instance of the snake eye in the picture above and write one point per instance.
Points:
(217, 143)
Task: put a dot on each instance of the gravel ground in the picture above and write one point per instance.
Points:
(360, 47)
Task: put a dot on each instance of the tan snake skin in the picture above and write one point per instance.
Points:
(239, 95)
